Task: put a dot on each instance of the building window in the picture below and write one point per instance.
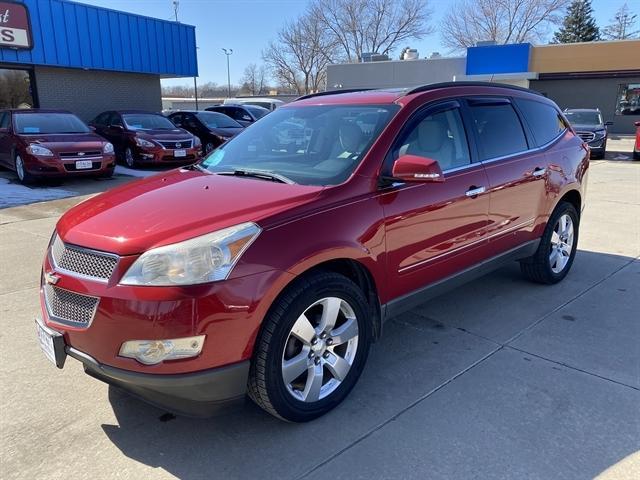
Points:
(628, 100)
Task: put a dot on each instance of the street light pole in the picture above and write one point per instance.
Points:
(228, 52)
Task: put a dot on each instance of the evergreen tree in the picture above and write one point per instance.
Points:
(622, 25)
(578, 25)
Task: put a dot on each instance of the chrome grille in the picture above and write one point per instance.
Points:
(173, 144)
(69, 308)
(586, 136)
(81, 261)
(80, 155)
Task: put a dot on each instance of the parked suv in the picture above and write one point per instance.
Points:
(589, 126)
(141, 137)
(270, 271)
(52, 143)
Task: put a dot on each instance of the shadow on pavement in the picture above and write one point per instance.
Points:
(419, 353)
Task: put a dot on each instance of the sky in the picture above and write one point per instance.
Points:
(246, 26)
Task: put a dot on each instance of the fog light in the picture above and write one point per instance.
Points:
(151, 352)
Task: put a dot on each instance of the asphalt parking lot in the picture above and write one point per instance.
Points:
(498, 379)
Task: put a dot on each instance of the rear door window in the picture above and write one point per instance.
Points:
(545, 121)
(498, 128)
(4, 120)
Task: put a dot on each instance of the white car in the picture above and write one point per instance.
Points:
(264, 102)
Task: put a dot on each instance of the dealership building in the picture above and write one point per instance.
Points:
(67, 55)
(604, 75)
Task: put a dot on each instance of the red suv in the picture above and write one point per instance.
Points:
(270, 270)
(52, 143)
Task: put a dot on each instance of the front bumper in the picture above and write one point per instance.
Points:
(57, 167)
(161, 155)
(197, 394)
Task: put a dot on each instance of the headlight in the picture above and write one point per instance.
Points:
(600, 133)
(208, 258)
(141, 142)
(39, 150)
(151, 352)
(196, 142)
(108, 148)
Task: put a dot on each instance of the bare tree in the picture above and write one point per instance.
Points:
(253, 80)
(361, 26)
(502, 21)
(621, 25)
(14, 89)
(298, 58)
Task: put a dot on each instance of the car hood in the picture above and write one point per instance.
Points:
(64, 142)
(168, 135)
(175, 206)
(587, 128)
(226, 132)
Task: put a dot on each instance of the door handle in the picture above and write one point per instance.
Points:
(474, 191)
(539, 171)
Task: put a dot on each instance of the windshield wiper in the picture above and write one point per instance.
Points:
(265, 174)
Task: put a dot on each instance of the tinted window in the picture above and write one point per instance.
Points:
(4, 120)
(257, 112)
(176, 118)
(439, 136)
(217, 120)
(114, 119)
(498, 129)
(147, 121)
(102, 119)
(319, 145)
(38, 123)
(545, 121)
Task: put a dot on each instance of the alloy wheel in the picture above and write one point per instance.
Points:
(320, 349)
(561, 243)
(128, 157)
(208, 147)
(20, 168)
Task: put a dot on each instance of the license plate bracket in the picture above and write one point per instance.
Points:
(83, 164)
(51, 343)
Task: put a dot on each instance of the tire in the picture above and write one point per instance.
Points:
(25, 177)
(129, 159)
(208, 147)
(636, 155)
(277, 346)
(554, 257)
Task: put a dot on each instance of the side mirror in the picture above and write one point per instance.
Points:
(92, 128)
(637, 124)
(413, 168)
(117, 128)
(608, 124)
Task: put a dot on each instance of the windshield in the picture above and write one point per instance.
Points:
(257, 112)
(319, 145)
(584, 118)
(38, 123)
(147, 121)
(217, 120)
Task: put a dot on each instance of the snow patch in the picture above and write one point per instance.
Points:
(14, 194)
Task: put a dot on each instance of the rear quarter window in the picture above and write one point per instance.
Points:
(498, 129)
(545, 121)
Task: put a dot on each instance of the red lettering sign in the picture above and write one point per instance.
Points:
(15, 28)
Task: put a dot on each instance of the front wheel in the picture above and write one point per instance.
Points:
(129, 158)
(312, 348)
(25, 177)
(554, 257)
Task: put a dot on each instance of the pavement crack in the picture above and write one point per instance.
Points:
(571, 367)
(398, 414)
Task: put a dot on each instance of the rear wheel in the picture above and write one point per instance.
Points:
(208, 147)
(25, 177)
(554, 257)
(312, 348)
(636, 155)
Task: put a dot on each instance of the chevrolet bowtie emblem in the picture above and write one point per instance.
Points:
(81, 154)
(51, 278)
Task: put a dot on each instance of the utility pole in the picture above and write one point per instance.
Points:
(228, 52)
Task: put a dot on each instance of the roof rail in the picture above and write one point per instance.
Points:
(433, 86)
(332, 92)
